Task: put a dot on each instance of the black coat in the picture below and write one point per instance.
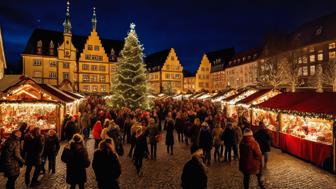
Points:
(11, 156)
(140, 147)
(77, 160)
(33, 149)
(179, 124)
(195, 133)
(263, 138)
(51, 146)
(194, 175)
(205, 139)
(70, 129)
(106, 166)
(170, 133)
(228, 137)
(152, 133)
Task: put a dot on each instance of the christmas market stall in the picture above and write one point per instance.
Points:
(243, 106)
(35, 104)
(304, 123)
(229, 103)
(222, 95)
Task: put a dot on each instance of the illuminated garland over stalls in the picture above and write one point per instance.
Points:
(302, 114)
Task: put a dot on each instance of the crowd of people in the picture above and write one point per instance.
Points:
(198, 124)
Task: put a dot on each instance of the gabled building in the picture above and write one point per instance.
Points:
(3, 64)
(50, 57)
(189, 81)
(164, 72)
(241, 70)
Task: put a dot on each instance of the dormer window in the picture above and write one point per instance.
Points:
(90, 47)
(39, 47)
(51, 48)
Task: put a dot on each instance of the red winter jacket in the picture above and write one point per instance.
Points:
(97, 129)
(250, 156)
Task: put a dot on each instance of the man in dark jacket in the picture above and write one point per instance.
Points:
(194, 174)
(106, 165)
(263, 137)
(153, 134)
(205, 142)
(51, 149)
(33, 148)
(229, 139)
(11, 158)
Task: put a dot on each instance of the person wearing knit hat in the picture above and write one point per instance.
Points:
(250, 158)
(194, 174)
(205, 142)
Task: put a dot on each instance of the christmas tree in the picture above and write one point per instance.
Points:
(129, 85)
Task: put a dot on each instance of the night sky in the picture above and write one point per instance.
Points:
(192, 27)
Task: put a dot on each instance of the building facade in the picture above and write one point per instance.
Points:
(164, 72)
(189, 81)
(2, 58)
(202, 78)
(88, 63)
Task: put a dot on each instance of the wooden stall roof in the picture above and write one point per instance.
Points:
(306, 101)
(58, 93)
(75, 95)
(254, 96)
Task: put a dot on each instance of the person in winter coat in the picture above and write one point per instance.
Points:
(153, 134)
(264, 139)
(106, 165)
(179, 126)
(33, 149)
(51, 149)
(96, 132)
(85, 124)
(194, 175)
(228, 138)
(71, 128)
(217, 133)
(11, 158)
(127, 130)
(195, 132)
(205, 142)
(77, 160)
(170, 136)
(238, 135)
(250, 158)
(134, 128)
(140, 150)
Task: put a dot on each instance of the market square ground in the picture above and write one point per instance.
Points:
(284, 171)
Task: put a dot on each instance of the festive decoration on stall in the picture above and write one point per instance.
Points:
(329, 74)
(129, 86)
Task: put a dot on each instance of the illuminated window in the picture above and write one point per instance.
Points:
(304, 60)
(85, 66)
(37, 62)
(312, 58)
(52, 63)
(90, 47)
(102, 68)
(94, 78)
(311, 49)
(103, 88)
(66, 64)
(86, 88)
(52, 74)
(94, 67)
(332, 55)
(94, 88)
(86, 78)
(167, 76)
(320, 56)
(65, 75)
(305, 71)
(312, 70)
(37, 74)
(331, 45)
(96, 48)
(300, 60)
(102, 78)
(300, 71)
(177, 76)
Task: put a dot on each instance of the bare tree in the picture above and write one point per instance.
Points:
(271, 72)
(329, 74)
(316, 81)
(291, 70)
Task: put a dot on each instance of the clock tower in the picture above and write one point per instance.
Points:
(67, 66)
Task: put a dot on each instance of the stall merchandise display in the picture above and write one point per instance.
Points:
(34, 114)
(267, 117)
(313, 129)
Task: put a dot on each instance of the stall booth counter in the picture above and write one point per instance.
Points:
(306, 125)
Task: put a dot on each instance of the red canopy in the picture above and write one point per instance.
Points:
(310, 102)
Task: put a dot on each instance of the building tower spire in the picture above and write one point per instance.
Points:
(94, 19)
(67, 23)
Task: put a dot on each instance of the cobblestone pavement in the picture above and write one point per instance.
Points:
(284, 171)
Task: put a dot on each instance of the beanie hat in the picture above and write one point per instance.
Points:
(194, 148)
(248, 132)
